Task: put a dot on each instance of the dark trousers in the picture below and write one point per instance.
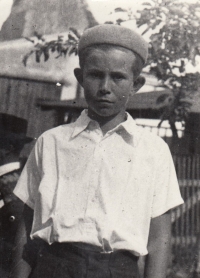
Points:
(66, 260)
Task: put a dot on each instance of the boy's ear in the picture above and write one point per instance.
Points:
(138, 83)
(79, 75)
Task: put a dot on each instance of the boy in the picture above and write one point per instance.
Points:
(101, 188)
(12, 140)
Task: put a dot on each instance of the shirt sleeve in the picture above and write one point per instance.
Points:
(28, 183)
(166, 193)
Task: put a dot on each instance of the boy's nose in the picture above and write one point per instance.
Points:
(105, 87)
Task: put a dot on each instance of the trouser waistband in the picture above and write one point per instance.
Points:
(84, 250)
(80, 260)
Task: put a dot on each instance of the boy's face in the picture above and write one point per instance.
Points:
(108, 81)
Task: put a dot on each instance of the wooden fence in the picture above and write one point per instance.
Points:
(185, 218)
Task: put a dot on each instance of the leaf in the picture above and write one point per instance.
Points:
(28, 39)
(119, 21)
(109, 22)
(71, 37)
(76, 51)
(146, 4)
(146, 30)
(53, 49)
(117, 10)
(25, 58)
(39, 36)
(176, 11)
(72, 50)
(75, 31)
(38, 54)
(60, 38)
(46, 54)
(162, 98)
(155, 24)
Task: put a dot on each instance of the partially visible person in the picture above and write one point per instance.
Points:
(12, 140)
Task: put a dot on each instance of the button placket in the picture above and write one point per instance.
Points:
(93, 184)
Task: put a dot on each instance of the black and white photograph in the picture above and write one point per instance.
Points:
(99, 139)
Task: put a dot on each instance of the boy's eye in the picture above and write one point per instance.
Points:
(118, 76)
(95, 74)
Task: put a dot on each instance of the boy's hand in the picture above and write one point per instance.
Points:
(20, 268)
(158, 247)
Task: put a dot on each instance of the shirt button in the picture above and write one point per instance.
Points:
(12, 218)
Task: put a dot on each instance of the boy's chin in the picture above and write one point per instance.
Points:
(104, 113)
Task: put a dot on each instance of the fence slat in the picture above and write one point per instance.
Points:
(186, 218)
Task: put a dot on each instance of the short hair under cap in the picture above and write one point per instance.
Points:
(114, 35)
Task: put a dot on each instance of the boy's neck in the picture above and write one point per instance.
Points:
(108, 123)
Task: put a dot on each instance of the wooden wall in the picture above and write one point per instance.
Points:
(18, 97)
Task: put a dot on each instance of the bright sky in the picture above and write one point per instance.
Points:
(102, 8)
(5, 7)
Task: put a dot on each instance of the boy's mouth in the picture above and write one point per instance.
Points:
(104, 101)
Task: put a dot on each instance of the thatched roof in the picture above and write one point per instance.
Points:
(45, 17)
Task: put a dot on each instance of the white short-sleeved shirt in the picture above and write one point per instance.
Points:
(102, 190)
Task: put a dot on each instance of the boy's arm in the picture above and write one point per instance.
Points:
(158, 247)
(20, 267)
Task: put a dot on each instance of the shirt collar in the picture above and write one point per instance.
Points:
(81, 123)
(129, 126)
(7, 168)
(128, 130)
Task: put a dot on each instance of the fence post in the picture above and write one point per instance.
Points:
(197, 267)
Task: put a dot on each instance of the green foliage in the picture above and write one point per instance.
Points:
(176, 37)
(175, 41)
(174, 31)
(62, 47)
